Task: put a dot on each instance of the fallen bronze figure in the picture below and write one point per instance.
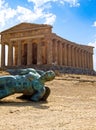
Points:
(28, 81)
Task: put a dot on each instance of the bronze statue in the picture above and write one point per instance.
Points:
(28, 81)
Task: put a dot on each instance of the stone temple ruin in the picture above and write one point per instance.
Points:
(36, 44)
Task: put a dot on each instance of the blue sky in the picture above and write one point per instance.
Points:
(74, 20)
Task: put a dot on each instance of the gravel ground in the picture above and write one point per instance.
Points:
(70, 106)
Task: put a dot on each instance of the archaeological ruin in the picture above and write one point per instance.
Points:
(36, 44)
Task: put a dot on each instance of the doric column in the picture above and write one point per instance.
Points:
(19, 53)
(61, 46)
(76, 54)
(15, 55)
(82, 59)
(79, 58)
(91, 67)
(56, 52)
(29, 53)
(44, 53)
(73, 56)
(69, 55)
(62, 53)
(2, 55)
(53, 51)
(65, 54)
(85, 60)
(10, 54)
(91, 61)
(88, 60)
(49, 51)
(39, 58)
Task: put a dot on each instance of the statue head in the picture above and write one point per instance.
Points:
(48, 76)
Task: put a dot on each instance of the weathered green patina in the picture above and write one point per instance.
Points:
(28, 81)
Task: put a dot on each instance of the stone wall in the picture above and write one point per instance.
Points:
(56, 69)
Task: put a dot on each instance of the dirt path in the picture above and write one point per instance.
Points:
(71, 106)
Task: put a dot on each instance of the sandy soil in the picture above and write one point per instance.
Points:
(70, 106)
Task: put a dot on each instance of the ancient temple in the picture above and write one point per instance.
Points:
(30, 44)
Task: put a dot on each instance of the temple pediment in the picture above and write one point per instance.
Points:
(24, 26)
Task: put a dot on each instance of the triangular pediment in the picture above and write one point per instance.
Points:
(23, 26)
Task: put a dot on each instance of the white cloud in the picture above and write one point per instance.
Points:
(72, 3)
(94, 24)
(39, 3)
(50, 18)
(31, 16)
(94, 55)
(5, 13)
(41, 11)
(24, 14)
